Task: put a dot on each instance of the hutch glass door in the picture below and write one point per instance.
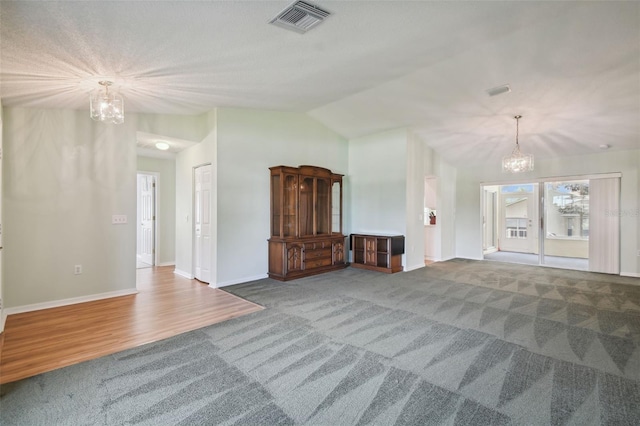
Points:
(289, 196)
(323, 203)
(336, 208)
(306, 206)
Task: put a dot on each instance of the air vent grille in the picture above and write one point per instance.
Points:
(300, 17)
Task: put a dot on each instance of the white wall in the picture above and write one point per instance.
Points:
(166, 205)
(188, 127)
(64, 177)
(386, 172)
(378, 184)
(468, 220)
(248, 143)
(414, 241)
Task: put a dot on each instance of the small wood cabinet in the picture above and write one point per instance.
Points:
(377, 252)
(306, 222)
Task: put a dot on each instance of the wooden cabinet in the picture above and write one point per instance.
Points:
(377, 252)
(306, 222)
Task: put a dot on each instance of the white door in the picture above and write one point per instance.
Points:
(202, 224)
(146, 206)
(518, 224)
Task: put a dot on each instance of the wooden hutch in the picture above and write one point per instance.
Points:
(306, 222)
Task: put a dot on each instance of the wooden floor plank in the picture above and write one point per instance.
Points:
(166, 305)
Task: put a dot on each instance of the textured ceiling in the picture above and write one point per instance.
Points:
(574, 67)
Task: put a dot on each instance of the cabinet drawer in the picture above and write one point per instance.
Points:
(314, 254)
(317, 245)
(316, 263)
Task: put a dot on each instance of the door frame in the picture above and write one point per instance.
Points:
(493, 220)
(156, 203)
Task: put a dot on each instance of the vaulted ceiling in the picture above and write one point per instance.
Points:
(573, 67)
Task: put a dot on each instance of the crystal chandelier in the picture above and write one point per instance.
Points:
(106, 106)
(517, 162)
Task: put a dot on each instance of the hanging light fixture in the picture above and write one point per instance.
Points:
(106, 106)
(517, 162)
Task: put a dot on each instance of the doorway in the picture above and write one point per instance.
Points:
(146, 220)
(432, 228)
(202, 178)
(518, 214)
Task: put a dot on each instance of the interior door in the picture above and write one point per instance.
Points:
(202, 223)
(518, 224)
(146, 205)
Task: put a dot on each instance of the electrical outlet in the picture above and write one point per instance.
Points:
(119, 219)
(77, 270)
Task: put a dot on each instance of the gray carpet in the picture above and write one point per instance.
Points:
(456, 343)
(532, 259)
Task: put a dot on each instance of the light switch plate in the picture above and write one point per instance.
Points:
(119, 219)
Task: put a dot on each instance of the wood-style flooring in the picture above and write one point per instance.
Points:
(166, 305)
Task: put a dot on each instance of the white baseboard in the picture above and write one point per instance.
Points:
(3, 319)
(183, 274)
(65, 302)
(166, 264)
(630, 274)
(467, 258)
(413, 267)
(239, 281)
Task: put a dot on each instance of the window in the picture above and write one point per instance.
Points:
(568, 213)
(516, 227)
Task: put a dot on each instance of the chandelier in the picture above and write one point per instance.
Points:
(517, 162)
(106, 106)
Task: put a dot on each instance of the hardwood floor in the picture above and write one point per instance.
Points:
(166, 305)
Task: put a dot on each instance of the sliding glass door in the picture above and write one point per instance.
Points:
(566, 224)
(579, 228)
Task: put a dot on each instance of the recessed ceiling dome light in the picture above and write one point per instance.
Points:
(495, 91)
(162, 146)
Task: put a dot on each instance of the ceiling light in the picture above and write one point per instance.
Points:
(106, 106)
(517, 162)
(162, 146)
(605, 146)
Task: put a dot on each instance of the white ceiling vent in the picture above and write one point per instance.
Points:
(300, 17)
